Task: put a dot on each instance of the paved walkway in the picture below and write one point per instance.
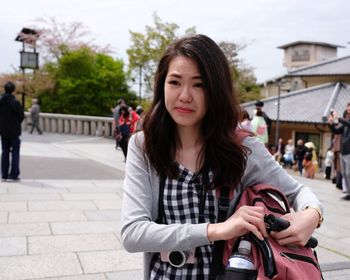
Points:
(61, 221)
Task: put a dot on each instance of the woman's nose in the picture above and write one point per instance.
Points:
(186, 95)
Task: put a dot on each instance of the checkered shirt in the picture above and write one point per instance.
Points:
(181, 205)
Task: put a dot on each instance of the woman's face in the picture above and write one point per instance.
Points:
(184, 93)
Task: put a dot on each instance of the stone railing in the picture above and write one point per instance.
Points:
(72, 124)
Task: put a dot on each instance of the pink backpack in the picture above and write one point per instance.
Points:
(272, 260)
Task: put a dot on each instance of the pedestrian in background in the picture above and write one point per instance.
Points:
(288, 157)
(328, 163)
(35, 116)
(278, 155)
(116, 112)
(259, 105)
(245, 120)
(310, 147)
(299, 154)
(127, 125)
(260, 127)
(337, 177)
(308, 165)
(11, 117)
(341, 126)
(140, 112)
(115, 123)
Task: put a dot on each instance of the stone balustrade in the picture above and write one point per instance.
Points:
(72, 124)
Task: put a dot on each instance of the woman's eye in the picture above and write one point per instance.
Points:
(199, 85)
(173, 82)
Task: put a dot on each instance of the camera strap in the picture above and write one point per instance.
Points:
(203, 194)
(160, 217)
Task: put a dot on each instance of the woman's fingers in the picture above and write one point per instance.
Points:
(251, 219)
(257, 218)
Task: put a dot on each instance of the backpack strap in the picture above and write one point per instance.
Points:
(223, 205)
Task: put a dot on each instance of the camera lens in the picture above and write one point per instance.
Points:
(177, 258)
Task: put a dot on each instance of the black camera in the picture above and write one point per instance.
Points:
(278, 224)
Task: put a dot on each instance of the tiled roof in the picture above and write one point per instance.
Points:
(309, 43)
(337, 66)
(310, 105)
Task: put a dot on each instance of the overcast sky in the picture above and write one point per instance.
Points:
(263, 24)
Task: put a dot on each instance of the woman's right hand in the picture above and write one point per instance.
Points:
(246, 219)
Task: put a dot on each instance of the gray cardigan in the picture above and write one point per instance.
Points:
(140, 233)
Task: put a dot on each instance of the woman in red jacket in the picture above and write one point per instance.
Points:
(127, 121)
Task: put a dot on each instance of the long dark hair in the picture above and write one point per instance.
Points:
(221, 151)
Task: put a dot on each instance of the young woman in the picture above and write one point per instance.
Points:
(189, 139)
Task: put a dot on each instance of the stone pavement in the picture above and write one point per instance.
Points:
(61, 221)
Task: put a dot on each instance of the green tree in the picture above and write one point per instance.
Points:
(147, 48)
(243, 76)
(87, 83)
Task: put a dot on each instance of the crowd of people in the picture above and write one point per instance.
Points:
(303, 156)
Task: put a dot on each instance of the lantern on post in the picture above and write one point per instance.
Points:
(28, 59)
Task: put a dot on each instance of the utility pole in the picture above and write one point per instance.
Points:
(140, 84)
(278, 114)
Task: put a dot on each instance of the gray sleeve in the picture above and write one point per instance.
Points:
(138, 232)
(263, 169)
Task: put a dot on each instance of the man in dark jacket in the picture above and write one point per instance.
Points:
(299, 154)
(11, 117)
(342, 126)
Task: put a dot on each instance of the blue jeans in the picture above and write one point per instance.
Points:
(10, 145)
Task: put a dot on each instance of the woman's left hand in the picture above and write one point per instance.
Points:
(302, 225)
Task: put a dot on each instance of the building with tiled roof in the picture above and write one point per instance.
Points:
(306, 106)
(305, 96)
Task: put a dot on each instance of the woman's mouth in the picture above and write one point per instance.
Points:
(183, 110)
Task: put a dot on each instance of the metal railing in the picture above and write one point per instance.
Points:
(72, 124)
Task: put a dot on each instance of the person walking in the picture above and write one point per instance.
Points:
(288, 157)
(259, 127)
(299, 154)
(116, 112)
(115, 123)
(328, 163)
(278, 155)
(127, 124)
(259, 105)
(11, 117)
(34, 114)
(246, 123)
(337, 177)
(190, 147)
(341, 126)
